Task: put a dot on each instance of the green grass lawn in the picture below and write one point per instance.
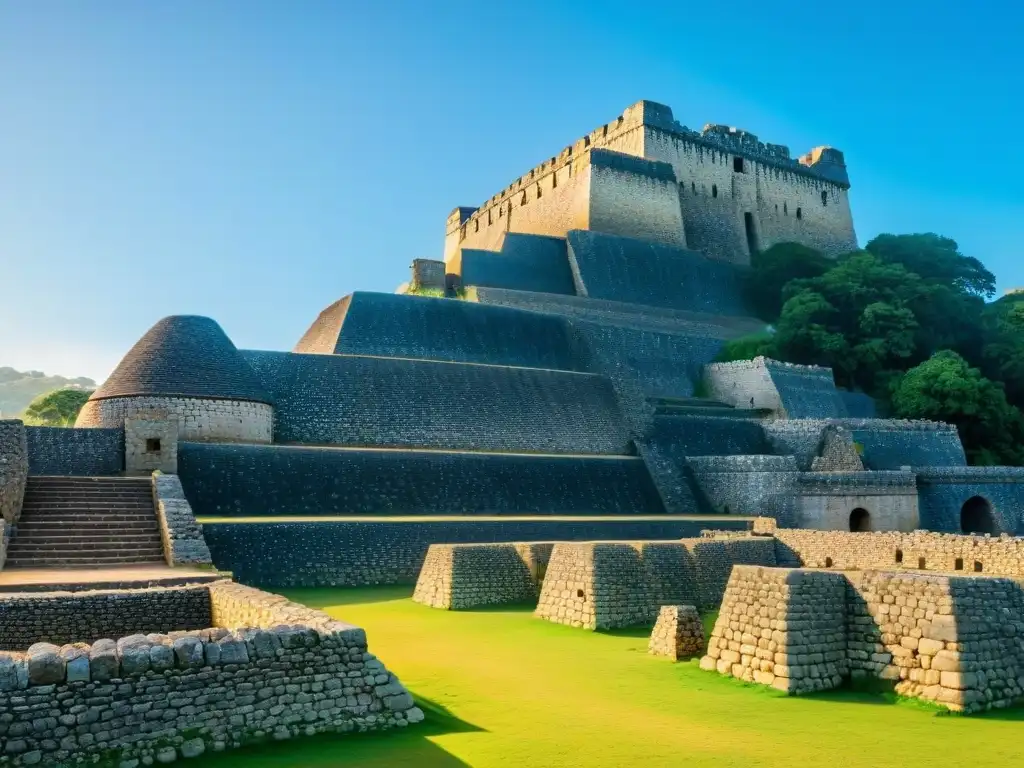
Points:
(501, 688)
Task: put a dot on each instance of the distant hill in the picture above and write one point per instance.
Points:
(18, 389)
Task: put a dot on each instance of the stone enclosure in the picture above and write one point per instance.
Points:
(204, 668)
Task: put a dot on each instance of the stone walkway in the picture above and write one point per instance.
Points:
(75, 579)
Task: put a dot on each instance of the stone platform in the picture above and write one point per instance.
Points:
(83, 579)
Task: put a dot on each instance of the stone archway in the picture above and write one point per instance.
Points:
(860, 520)
(976, 516)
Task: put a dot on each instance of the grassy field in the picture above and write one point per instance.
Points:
(501, 688)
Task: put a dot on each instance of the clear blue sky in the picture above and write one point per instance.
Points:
(256, 160)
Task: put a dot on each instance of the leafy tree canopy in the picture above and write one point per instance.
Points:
(946, 388)
(747, 348)
(58, 408)
(937, 260)
(772, 269)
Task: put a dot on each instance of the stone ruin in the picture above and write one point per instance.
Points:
(137, 676)
(460, 577)
(678, 633)
(957, 641)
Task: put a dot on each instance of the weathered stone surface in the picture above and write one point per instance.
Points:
(678, 633)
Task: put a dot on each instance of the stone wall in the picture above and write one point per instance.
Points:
(13, 470)
(789, 391)
(639, 272)
(255, 481)
(955, 641)
(424, 328)
(181, 536)
(88, 616)
(198, 419)
(604, 585)
(278, 670)
(746, 485)
(427, 274)
(524, 263)
(781, 627)
(460, 576)
(857, 501)
(945, 492)
(919, 550)
(372, 401)
(354, 553)
(74, 451)
(150, 443)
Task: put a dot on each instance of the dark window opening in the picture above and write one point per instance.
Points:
(785, 208)
(977, 566)
(799, 213)
(921, 563)
(580, 595)
(714, 190)
(828, 562)
(586, 141)
(554, 179)
(976, 517)
(737, 165)
(693, 186)
(824, 198)
(899, 555)
(959, 564)
(860, 520)
(604, 131)
(752, 244)
(539, 192)
(153, 445)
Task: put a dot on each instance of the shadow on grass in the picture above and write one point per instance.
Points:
(406, 746)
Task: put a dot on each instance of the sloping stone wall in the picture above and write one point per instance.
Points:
(181, 535)
(781, 627)
(460, 576)
(72, 451)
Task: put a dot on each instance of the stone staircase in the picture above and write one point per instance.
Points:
(86, 522)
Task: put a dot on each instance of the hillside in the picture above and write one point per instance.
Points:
(18, 389)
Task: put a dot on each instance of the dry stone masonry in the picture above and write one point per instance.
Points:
(678, 633)
(781, 627)
(461, 576)
(957, 641)
(181, 535)
(269, 669)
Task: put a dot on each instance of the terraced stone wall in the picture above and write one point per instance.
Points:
(254, 481)
(389, 402)
(349, 553)
(747, 485)
(944, 492)
(30, 618)
(74, 451)
(524, 263)
(199, 419)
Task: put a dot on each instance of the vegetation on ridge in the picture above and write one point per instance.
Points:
(58, 408)
(18, 389)
(905, 320)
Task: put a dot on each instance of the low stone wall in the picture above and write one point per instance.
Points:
(875, 501)
(955, 641)
(891, 550)
(358, 553)
(13, 470)
(279, 670)
(70, 451)
(604, 585)
(781, 627)
(459, 576)
(60, 618)
(181, 535)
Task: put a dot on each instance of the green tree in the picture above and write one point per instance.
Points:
(937, 260)
(946, 388)
(58, 408)
(747, 348)
(772, 269)
(857, 318)
(1003, 352)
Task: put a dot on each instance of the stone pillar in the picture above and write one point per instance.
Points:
(150, 443)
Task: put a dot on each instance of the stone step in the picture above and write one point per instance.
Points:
(58, 524)
(93, 562)
(135, 536)
(85, 555)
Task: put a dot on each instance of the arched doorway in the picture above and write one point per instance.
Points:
(860, 520)
(976, 516)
